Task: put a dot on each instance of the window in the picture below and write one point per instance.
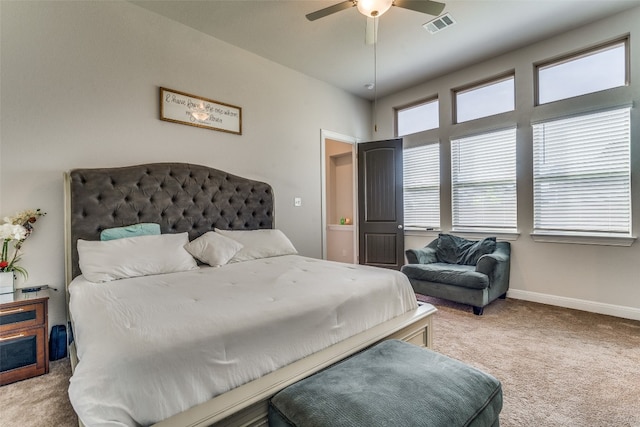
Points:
(483, 178)
(589, 72)
(581, 174)
(497, 96)
(418, 118)
(422, 186)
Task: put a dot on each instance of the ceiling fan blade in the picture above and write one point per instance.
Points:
(371, 31)
(330, 10)
(425, 6)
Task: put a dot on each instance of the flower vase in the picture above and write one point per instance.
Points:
(6, 287)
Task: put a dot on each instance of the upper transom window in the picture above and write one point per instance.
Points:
(418, 118)
(486, 99)
(587, 72)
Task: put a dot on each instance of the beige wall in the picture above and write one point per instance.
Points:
(79, 86)
(591, 277)
(340, 201)
(339, 165)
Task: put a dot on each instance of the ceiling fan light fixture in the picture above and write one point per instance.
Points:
(373, 8)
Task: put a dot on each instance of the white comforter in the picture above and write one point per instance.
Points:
(151, 347)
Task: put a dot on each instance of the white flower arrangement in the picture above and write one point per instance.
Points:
(13, 232)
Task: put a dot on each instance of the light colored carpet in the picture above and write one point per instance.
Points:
(39, 402)
(558, 367)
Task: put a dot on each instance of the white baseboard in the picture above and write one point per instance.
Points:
(577, 304)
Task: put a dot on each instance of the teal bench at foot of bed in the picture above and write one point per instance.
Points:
(391, 384)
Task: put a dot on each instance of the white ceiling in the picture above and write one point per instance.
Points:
(333, 48)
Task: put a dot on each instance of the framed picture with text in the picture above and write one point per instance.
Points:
(192, 110)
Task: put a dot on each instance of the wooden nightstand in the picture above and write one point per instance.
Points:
(24, 347)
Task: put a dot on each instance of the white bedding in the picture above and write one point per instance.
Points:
(150, 347)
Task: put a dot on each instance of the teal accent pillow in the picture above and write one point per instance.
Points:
(134, 230)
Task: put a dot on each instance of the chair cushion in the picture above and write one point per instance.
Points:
(449, 246)
(450, 274)
(458, 250)
(472, 254)
(391, 384)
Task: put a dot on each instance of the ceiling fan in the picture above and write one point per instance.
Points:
(375, 8)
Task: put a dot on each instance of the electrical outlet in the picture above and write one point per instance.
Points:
(297, 201)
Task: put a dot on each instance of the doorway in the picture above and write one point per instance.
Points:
(339, 198)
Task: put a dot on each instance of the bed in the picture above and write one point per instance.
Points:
(209, 341)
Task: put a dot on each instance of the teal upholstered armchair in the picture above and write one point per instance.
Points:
(460, 270)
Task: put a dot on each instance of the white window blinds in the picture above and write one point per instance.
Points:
(422, 186)
(483, 171)
(582, 174)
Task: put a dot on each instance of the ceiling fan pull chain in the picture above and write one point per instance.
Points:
(375, 75)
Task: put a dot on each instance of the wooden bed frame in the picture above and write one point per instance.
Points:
(184, 197)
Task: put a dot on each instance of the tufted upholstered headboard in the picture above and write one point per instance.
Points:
(178, 196)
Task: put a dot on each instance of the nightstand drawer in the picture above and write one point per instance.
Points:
(14, 316)
(22, 355)
(23, 340)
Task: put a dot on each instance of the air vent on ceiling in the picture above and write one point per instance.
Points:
(439, 24)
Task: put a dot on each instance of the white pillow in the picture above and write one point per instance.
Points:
(103, 261)
(259, 244)
(213, 248)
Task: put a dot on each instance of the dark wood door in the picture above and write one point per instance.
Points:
(380, 204)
